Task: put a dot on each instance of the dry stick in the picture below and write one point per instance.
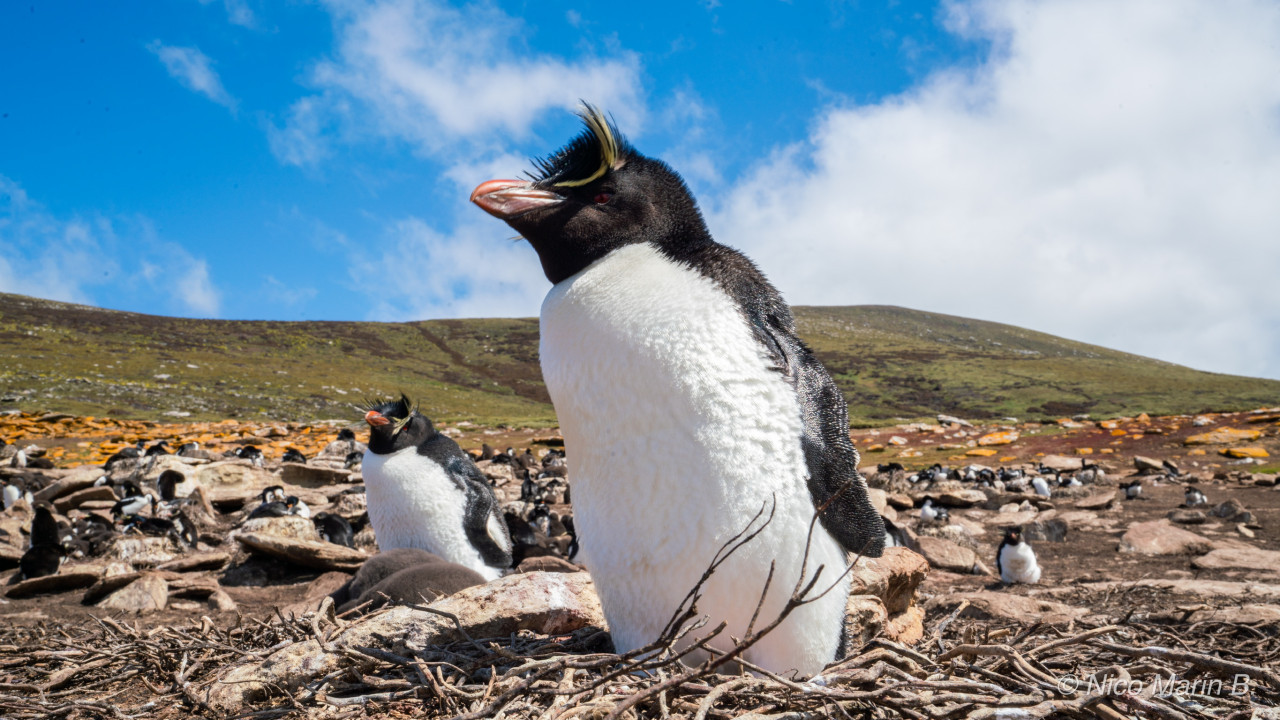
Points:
(1073, 640)
(1200, 660)
(1003, 651)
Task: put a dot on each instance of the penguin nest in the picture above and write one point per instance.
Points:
(963, 669)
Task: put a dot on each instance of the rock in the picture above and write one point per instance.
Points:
(946, 555)
(1234, 558)
(893, 577)
(1251, 614)
(1060, 463)
(547, 563)
(879, 499)
(313, 476)
(79, 497)
(142, 550)
(1096, 502)
(197, 561)
(549, 603)
(220, 601)
(500, 473)
(1245, 452)
(1183, 516)
(989, 605)
(10, 557)
(107, 585)
(1147, 466)
(290, 527)
(75, 479)
(1051, 530)
(272, 431)
(232, 480)
(1010, 517)
(1159, 537)
(307, 553)
(1228, 509)
(317, 590)
(981, 452)
(191, 586)
(864, 619)
(900, 501)
(1002, 437)
(952, 420)
(961, 498)
(1221, 436)
(52, 584)
(350, 505)
(907, 627)
(148, 593)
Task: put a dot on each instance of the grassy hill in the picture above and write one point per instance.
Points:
(891, 363)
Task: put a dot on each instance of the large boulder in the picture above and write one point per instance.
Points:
(946, 555)
(864, 619)
(1160, 537)
(313, 476)
(148, 593)
(989, 605)
(892, 577)
(233, 481)
(1239, 558)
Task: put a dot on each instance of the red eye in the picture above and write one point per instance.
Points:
(603, 198)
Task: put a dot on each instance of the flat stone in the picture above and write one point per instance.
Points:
(1245, 452)
(1251, 614)
(1159, 537)
(52, 584)
(1046, 530)
(1222, 436)
(990, 605)
(1061, 463)
(76, 479)
(313, 476)
(80, 497)
(291, 527)
(1238, 559)
(197, 561)
(1096, 502)
(306, 553)
(907, 627)
(142, 550)
(946, 555)
(961, 498)
(1183, 516)
(1002, 437)
(1148, 466)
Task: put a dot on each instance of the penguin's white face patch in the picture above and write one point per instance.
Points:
(678, 431)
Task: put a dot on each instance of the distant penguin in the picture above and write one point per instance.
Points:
(932, 512)
(1132, 490)
(125, 454)
(1194, 498)
(1042, 487)
(654, 330)
(334, 529)
(250, 453)
(1015, 560)
(423, 491)
(14, 491)
(293, 455)
(40, 561)
(44, 528)
(133, 504)
(168, 483)
(486, 451)
(19, 459)
(297, 506)
(160, 448)
(353, 460)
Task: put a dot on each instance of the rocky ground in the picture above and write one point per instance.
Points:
(1132, 591)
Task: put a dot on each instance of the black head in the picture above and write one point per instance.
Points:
(395, 425)
(168, 483)
(1013, 535)
(594, 195)
(274, 492)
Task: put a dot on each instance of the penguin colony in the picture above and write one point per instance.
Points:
(676, 372)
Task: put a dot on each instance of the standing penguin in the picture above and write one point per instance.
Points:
(676, 372)
(425, 492)
(1015, 560)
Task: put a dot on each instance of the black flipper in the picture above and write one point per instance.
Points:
(481, 507)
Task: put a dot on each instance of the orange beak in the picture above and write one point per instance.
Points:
(376, 419)
(506, 199)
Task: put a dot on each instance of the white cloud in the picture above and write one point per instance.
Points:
(431, 75)
(96, 260)
(194, 70)
(423, 273)
(238, 12)
(1109, 174)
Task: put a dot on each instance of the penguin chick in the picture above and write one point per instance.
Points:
(382, 565)
(40, 560)
(1194, 498)
(418, 584)
(423, 491)
(334, 529)
(654, 330)
(1015, 560)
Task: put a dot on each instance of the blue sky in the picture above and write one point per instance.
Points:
(1106, 171)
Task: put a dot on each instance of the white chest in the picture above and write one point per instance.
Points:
(677, 432)
(414, 503)
(1018, 564)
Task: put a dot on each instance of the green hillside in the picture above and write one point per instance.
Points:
(890, 362)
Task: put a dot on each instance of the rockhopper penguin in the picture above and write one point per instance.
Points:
(1015, 560)
(676, 373)
(424, 492)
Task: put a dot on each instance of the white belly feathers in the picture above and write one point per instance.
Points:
(414, 503)
(677, 433)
